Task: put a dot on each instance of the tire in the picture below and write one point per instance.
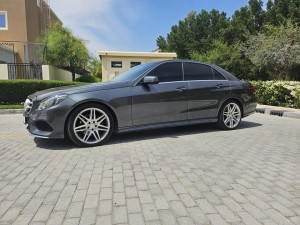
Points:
(90, 125)
(228, 119)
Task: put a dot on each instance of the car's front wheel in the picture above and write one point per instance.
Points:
(90, 125)
(230, 115)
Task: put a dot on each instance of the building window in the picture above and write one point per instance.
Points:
(3, 20)
(116, 64)
(133, 64)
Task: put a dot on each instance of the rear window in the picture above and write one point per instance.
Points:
(196, 71)
(218, 75)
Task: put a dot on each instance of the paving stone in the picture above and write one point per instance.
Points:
(133, 205)
(216, 219)
(119, 215)
(226, 213)
(75, 210)
(150, 212)
(71, 221)
(136, 219)
(178, 208)
(88, 216)
(161, 202)
(185, 221)
(105, 207)
(185, 175)
(167, 217)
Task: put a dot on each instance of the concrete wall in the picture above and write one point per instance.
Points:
(3, 72)
(108, 72)
(53, 73)
(49, 73)
(6, 55)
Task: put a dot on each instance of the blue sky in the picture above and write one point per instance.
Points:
(130, 25)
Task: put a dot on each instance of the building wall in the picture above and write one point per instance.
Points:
(108, 72)
(26, 20)
(53, 73)
(17, 27)
(3, 72)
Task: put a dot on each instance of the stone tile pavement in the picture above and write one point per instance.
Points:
(184, 175)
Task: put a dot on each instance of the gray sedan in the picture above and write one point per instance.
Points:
(148, 96)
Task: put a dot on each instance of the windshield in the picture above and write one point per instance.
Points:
(132, 73)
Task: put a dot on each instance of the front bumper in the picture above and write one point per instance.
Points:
(48, 123)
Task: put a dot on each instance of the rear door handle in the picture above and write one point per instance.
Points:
(219, 85)
(180, 89)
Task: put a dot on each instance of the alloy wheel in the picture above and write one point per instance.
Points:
(91, 125)
(231, 115)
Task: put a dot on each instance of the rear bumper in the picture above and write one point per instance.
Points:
(250, 106)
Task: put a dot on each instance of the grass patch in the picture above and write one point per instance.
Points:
(11, 106)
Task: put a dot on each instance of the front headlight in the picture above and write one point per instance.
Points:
(51, 101)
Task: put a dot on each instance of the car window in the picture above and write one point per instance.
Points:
(168, 72)
(218, 75)
(196, 71)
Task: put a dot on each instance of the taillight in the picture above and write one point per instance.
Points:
(252, 89)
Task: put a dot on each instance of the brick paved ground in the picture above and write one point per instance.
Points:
(185, 175)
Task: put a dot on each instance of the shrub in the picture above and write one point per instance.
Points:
(278, 93)
(16, 91)
(88, 79)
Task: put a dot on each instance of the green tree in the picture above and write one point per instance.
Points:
(212, 36)
(276, 51)
(229, 57)
(95, 67)
(257, 14)
(162, 43)
(64, 49)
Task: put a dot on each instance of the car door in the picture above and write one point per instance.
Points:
(162, 102)
(207, 88)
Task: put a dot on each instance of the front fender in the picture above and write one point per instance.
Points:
(118, 100)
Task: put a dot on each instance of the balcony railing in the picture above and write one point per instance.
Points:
(24, 71)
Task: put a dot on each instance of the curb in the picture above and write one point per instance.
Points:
(11, 111)
(281, 113)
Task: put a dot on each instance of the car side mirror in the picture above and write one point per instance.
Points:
(150, 80)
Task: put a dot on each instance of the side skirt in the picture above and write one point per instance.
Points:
(168, 124)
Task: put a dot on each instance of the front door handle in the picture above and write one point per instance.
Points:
(180, 89)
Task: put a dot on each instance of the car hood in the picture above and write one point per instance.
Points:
(75, 89)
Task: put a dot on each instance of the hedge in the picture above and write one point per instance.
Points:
(88, 79)
(16, 91)
(278, 93)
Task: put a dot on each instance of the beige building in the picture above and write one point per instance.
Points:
(114, 63)
(21, 23)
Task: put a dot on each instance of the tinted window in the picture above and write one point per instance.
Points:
(133, 64)
(218, 75)
(116, 64)
(196, 71)
(168, 72)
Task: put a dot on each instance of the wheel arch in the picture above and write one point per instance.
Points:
(95, 102)
(234, 99)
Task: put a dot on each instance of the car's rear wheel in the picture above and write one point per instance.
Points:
(230, 115)
(90, 125)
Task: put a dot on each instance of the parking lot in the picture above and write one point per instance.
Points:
(183, 175)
